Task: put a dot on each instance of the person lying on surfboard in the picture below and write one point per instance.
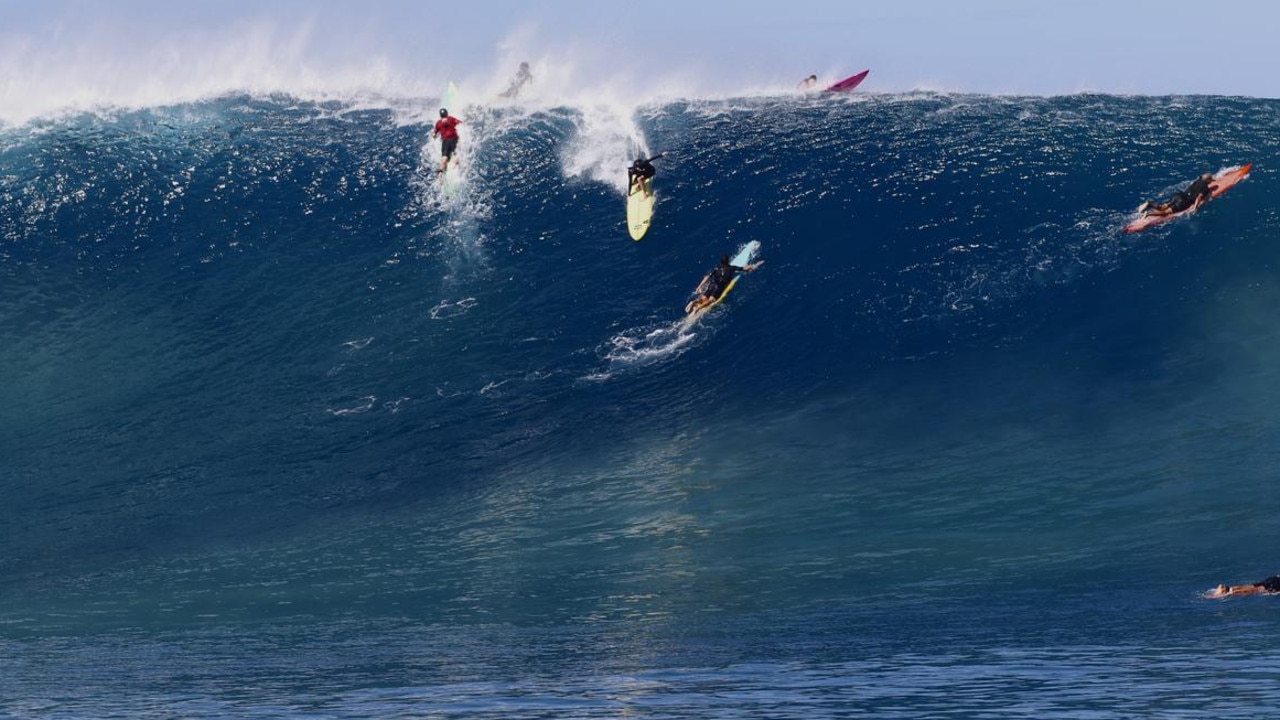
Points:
(713, 285)
(1196, 194)
(642, 169)
(447, 128)
(1270, 586)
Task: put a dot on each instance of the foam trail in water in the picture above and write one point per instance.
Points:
(643, 347)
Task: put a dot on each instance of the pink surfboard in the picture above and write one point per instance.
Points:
(1224, 181)
(849, 83)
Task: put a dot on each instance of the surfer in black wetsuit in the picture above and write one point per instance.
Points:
(714, 284)
(1196, 194)
(1270, 586)
(642, 169)
(522, 78)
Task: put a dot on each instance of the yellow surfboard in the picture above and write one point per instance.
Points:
(639, 209)
(745, 255)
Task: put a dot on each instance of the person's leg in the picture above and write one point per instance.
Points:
(447, 148)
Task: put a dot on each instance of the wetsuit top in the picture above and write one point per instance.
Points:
(1271, 584)
(1198, 188)
(642, 169)
(719, 278)
(447, 127)
(1186, 198)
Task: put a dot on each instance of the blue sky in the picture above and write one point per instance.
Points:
(135, 51)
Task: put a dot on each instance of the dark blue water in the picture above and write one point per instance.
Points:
(285, 433)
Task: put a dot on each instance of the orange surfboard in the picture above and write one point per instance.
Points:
(1222, 182)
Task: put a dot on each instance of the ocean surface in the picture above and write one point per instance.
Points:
(284, 432)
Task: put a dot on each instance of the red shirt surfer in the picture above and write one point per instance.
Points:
(447, 129)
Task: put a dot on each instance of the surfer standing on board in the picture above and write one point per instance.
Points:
(1196, 194)
(714, 284)
(1270, 586)
(447, 129)
(522, 78)
(642, 169)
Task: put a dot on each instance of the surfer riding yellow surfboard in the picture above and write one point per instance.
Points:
(721, 280)
(640, 197)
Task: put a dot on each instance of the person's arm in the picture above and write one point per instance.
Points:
(704, 285)
(1228, 590)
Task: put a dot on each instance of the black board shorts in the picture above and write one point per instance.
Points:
(447, 146)
(1181, 201)
(1271, 584)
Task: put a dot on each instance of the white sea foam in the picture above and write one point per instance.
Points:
(75, 69)
(96, 58)
(644, 346)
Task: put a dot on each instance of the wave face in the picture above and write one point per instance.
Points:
(283, 429)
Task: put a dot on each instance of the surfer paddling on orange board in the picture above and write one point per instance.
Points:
(1269, 586)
